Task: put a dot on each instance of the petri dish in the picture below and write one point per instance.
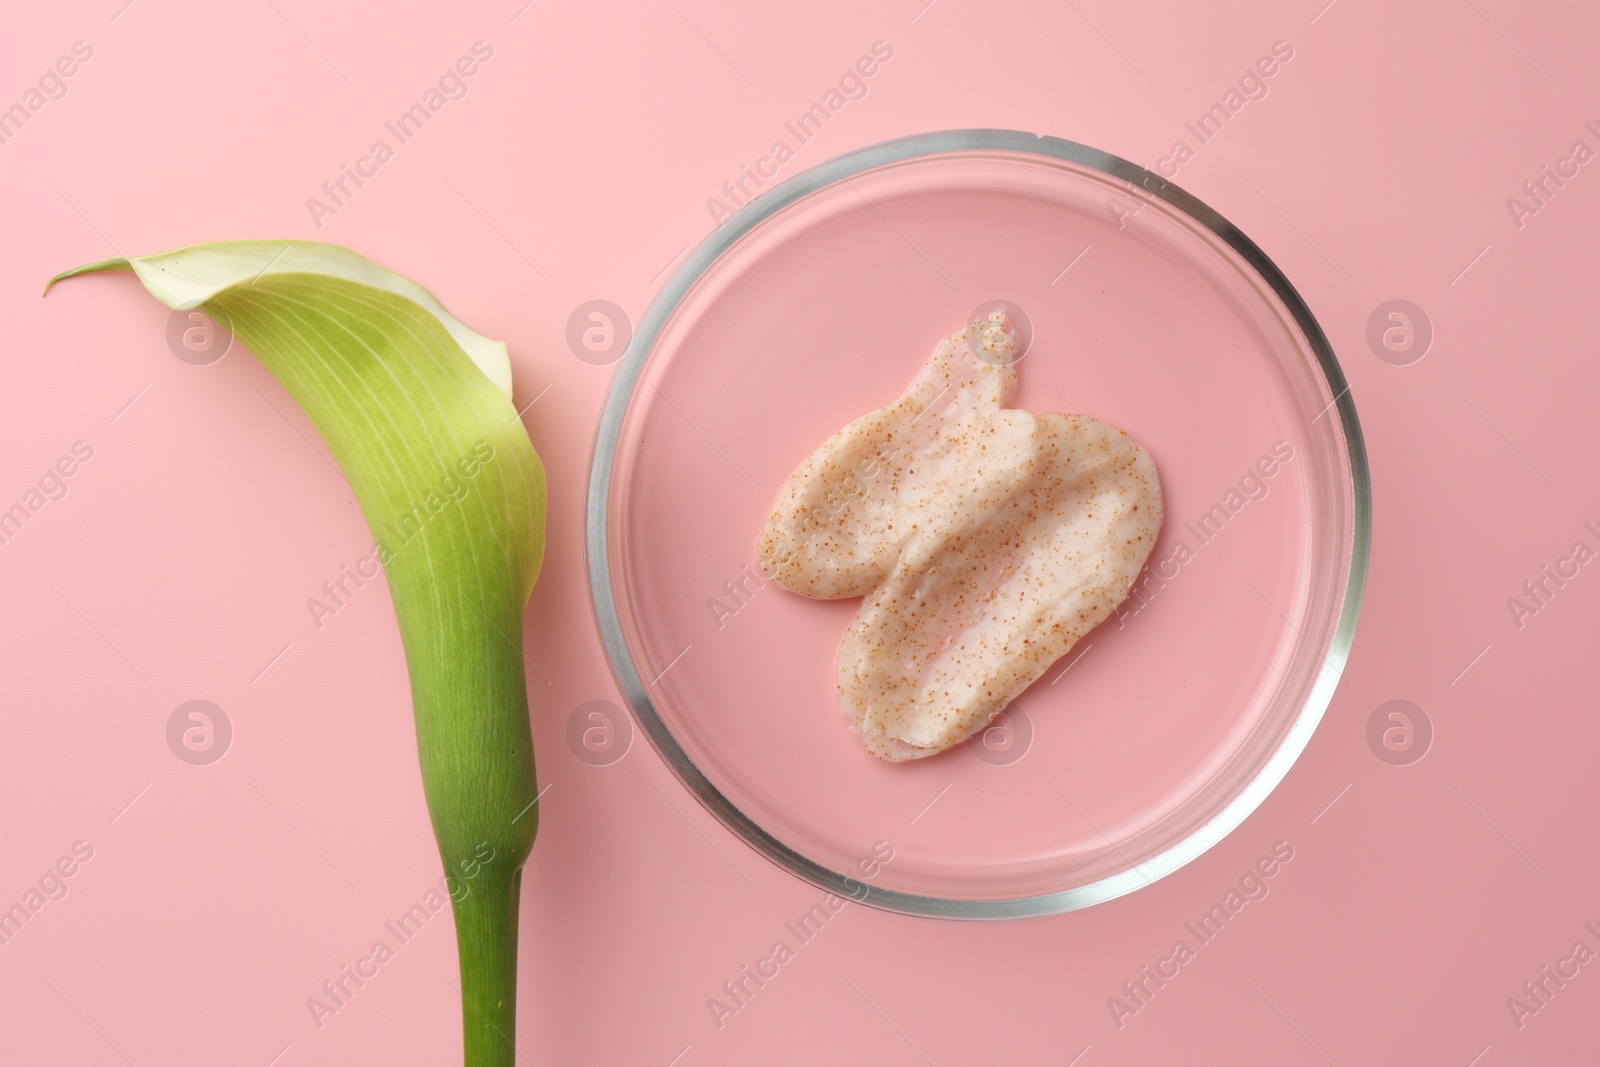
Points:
(818, 302)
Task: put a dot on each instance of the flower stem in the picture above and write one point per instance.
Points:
(486, 931)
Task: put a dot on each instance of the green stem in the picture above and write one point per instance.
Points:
(486, 931)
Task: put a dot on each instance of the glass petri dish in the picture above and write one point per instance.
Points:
(819, 301)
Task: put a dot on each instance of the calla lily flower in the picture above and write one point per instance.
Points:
(416, 408)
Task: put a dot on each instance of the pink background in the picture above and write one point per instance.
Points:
(578, 167)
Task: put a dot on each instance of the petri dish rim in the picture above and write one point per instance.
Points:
(602, 579)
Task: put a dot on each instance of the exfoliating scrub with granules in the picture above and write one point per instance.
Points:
(985, 540)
